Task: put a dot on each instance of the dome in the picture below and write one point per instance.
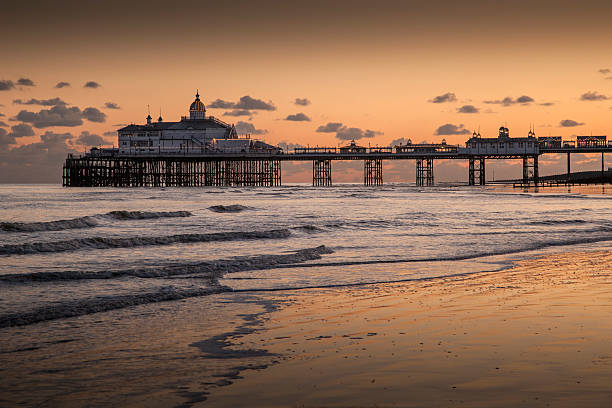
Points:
(197, 105)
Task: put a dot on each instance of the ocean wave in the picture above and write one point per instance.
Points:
(87, 221)
(207, 269)
(232, 208)
(82, 307)
(557, 222)
(210, 270)
(129, 242)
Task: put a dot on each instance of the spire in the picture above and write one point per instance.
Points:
(197, 94)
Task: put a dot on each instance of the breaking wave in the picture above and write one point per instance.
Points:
(207, 269)
(129, 242)
(88, 221)
(210, 270)
(232, 208)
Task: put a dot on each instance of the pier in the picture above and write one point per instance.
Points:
(264, 168)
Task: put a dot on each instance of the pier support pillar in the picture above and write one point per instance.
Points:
(569, 169)
(603, 174)
(477, 166)
(530, 163)
(372, 172)
(424, 172)
(321, 173)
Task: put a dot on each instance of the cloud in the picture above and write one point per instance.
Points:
(90, 139)
(39, 162)
(94, 115)
(59, 115)
(593, 96)
(110, 133)
(508, 101)
(570, 123)
(298, 117)
(62, 84)
(401, 140)
(2, 114)
(604, 71)
(302, 101)
(467, 109)
(25, 82)
(238, 112)
(2, 124)
(91, 84)
(17, 131)
(346, 133)
(42, 102)
(450, 129)
(111, 105)
(447, 97)
(246, 127)
(546, 104)
(330, 127)
(245, 103)
(6, 85)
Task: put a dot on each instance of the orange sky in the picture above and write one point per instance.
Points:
(367, 65)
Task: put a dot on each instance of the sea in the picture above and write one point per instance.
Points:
(136, 296)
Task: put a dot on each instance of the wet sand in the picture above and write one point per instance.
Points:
(539, 334)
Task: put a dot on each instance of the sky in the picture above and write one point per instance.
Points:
(304, 73)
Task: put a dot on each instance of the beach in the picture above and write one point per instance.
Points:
(534, 335)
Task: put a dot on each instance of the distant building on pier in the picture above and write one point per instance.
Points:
(502, 144)
(193, 134)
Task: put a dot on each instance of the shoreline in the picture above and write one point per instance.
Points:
(533, 335)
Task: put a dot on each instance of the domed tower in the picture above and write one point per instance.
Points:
(197, 109)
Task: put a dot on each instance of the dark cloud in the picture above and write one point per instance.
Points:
(298, 117)
(508, 101)
(246, 127)
(330, 127)
(347, 133)
(2, 124)
(288, 146)
(2, 114)
(546, 104)
(89, 139)
(110, 133)
(25, 82)
(400, 141)
(111, 105)
(450, 129)
(42, 102)
(570, 123)
(62, 84)
(604, 71)
(221, 104)
(238, 112)
(6, 85)
(94, 115)
(17, 131)
(302, 101)
(59, 115)
(447, 97)
(39, 162)
(467, 109)
(593, 96)
(245, 103)
(91, 84)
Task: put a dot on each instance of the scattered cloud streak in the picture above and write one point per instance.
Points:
(593, 96)
(92, 85)
(41, 102)
(62, 84)
(111, 105)
(247, 127)
(6, 85)
(468, 109)
(302, 101)
(570, 123)
(238, 112)
(450, 129)
(90, 139)
(245, 103)
(347, 133)
(25, 82)
(61, 115)
(330, 127)
(509, 101)
(447, 97)
(298, 117)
